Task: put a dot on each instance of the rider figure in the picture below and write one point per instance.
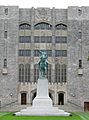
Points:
(43, 63)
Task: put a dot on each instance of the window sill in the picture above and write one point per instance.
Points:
(4, 71)
(80, 71)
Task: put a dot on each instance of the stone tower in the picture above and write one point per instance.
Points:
(9, 19)
(78, 52)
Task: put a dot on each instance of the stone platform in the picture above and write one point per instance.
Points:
(42, 104)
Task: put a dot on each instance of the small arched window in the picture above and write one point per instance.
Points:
(5, 63)
(24, 26)
(43, 26)
(61, 27)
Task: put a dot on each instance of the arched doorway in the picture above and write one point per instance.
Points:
(50, 95)
(86, 106)
(61, 99)
(33, 96)
(23, 98)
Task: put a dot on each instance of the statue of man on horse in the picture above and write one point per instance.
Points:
(43, 63)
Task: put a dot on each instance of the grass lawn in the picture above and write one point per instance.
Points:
(75, 116)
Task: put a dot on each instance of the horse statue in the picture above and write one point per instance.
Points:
(43, 63)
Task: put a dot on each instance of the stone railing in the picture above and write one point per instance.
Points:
(9, 104)
(75, 104)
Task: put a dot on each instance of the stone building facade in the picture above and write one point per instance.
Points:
(63, 34)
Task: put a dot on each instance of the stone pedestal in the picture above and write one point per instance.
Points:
(42, 99)
(42, 104)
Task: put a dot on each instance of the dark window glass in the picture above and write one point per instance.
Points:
(42, 39)
(43, 26)
(21, 52)
(24, 73)
(60, 73)
(5, 63)
(63, 74)
(49, 39)
(36, 39)
(5, 34)
(61, 27)
(24, 52)
(49, 73)
(27, 73)
(80, 35)
(24, 26)
(57, 73)
(36, 53)
(36, 72)
(64, 53)
(49, 53)
(27, 52)
(59, 39)
(59, 53)
(80, 63)
(25, 39)
(79, 12)
(21, 73)
(6, 11)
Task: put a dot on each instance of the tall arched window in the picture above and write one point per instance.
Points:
(43, 26)
(25, 38)
(63, 74)
(36, 72)
(24, 26)
(24, 73)
(60, 73)
(61, 27)
(27, 73)
(21, 73)
(57, 73)
(49, 73)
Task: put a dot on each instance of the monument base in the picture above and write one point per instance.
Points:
(42, 104)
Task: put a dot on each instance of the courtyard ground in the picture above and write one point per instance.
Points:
(75, 116)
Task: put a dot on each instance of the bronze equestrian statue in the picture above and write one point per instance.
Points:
(43, 63)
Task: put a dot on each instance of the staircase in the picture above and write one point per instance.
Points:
(69, 107)
(13, 108)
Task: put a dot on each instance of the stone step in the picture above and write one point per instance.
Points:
(66, 107)
(70, 108)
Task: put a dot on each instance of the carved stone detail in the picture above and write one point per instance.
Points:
(42, 14)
